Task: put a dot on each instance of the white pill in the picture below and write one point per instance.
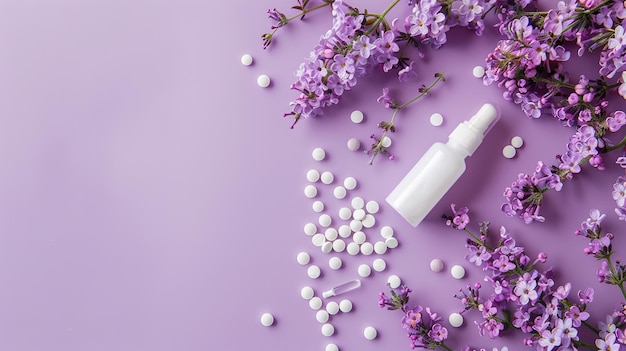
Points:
(307, 293)
(332, 308)
(517, 142)
(364, 270)
(359, 214)
(372, 207)
(339, 192)
(327, 247)
(356, 225)
(349, 183)
(380, 247)
(394, 281)
(317, 206)
(370, 333)
(318, 154)
(335, 262)
(455, 319)
(263, 81)
(331, 347)
(318, 239)
(391, 243)
(246, 59)
(339, 245)
(312, 175)
(354, 144)
(331, 234)
(328, 329)
(478, 71)
(314, 271)
(322, 316)
(353, 248)
(436, 119)
(379, 265)
(344, 230)
(509, 151)
(359, 237)
(327, 177)
(315, 303)
(356, 116)
(386, 142)
(310, 229)
(345, 214)
(457, 271)
(386, 232)
(267, 319)
(357, 203)
(325, 220)
(345, 306)
(436, 265)
(303, 258)
(367, 248)
(369, 220)
(310, 191)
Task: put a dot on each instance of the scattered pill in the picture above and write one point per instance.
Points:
(327, 177)
(356, 225)
(391, 243)
(349, 183)
(303, 258)
(357, 203)
(325, 220)
(478, 71)
(356, 116)
(509, 151)
(370, 333)
(318, 154)
(307, 293)
(263, 81)
(372, 207)
(331, 234)
(386, 232)
(367, 248)
(267, 319)
(332, 308)
(322, 316)
(386, 142)
(354, 144)
(315, 303)
(379, 265)
(436, 265)
(344, 229)
(335, 262)
(318, 239)
(436, 119)
(517, 142)
(328, 329)
(318, 206)
(353, 248)
(364, 270)
(457, 271)
(312, 175)
(369, 220)
(345, 213)
(359, 214)
(394, 281)
(314, 271)
(310, 191)
(331, 347)
(455, 319)
(327, 247)
(345, 306)
(310, 229)
(339, 192)
(359, 237)
(339, 245)
(380, 247)
(246, 59)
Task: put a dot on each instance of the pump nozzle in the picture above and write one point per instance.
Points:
(470, 134)
(484, 119)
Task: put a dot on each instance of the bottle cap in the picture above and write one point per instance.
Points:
(470, 134)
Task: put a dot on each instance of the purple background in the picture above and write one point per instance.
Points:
(151, 193)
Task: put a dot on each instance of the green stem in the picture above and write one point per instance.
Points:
(591, 327)
(614, 273)
(424, 91)
(619, 145)
(445, 347)
(381, 17)
(305, 11)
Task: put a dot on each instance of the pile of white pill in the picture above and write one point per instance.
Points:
(509, 151)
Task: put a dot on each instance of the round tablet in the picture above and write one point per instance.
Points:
(314, 271)
(391, 243)
(367, 248)
(317, 206)
(364, 270)
(455, 319)
(508, 151)
(310, 191)
(312, 175)
(359, 237)
(310, 229)
(358, 214)
(331, 347)
(335, 262)
(327, 247)
(356, 225)
(394, 281)
(267, 319)
(353, 144)
(372, 207)
(386, 232)
(307, 293)
(325, 220)
(345, 214)
(478, 71)
(318, 154)
(349, 183)
(436, 119)
(457, 271)
(331, 234)
(332, 308)
(327, 177)
(339, 245)
(370, 333)
(436, 265)
(246, 59)
(356, 116)
(303, 258)
(339, 192)
(263, 81)
(322, 316)
(369, 220)
(386, 142)
(345, 306)
(315, 303)
(353, 248)
(318, 239)
(517, 142)
(328, 329)
(380, 247)
(357, 203)
(344, 230)
(379, 265)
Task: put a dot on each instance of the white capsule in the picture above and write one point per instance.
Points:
(457, 271)
(339, 245)
(369, 220)
(478, 71)
(386, 232)
(328, 329)
(380, 247)
(379, 265)
(349, 183)
(353, 248)
(307, 293)
(364, 270)
(357, 203)
(310, 191)
(331, 347)
(303, 258)
(331, 234)
(314, 271)
(335, 263)
(517, 142)
(391, 243)
(339, 192)
(327, 177)
(455, 319)
(332, 308)
(436, 119)
(508, 151)
(372, 207)
(315, 303)
(325, 220)
(344, 230)
(327, 247)
(310, 229)
(263, 81)
(356, 225)
(312, 175)
(354, 144)
(359, 237)
(386, 142)
(318, 154)
(356, 116)
(318, 239)
(370, 333)
(394, 281)
(267, 319)
(246, 59)
(345, 213)
(317, 206)
(345, 306)
(367, 248)
(358, 214)
(322, 316)
(436, 265)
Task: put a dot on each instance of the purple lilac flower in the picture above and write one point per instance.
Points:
(478, 255)
(608, 343)
(577, 316)
(503, 264)
(438, 333)
(490, 328)
(550, 339)
(586, 296)
(525, 289)
(619, 191)
(603, 272)
(568, 332)
(616, 120)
